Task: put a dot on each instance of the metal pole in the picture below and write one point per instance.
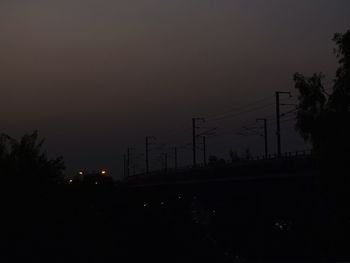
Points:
(278, 127)
(265, 132)
(128, 162)
(147, 162)
(194, 141)
(175, 157)
(166, 161)
(204, 151)
(124, 163)
(265, 136)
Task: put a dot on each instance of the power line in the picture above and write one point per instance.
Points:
(246, 130)
(238, 108)
(231, 116)
(224, 115)
(194, 120)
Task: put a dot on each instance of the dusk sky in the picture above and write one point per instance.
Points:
(97, 76)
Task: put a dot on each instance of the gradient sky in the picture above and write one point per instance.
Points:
(96, 76)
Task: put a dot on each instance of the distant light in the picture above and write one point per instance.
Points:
(162, 203)
(145, 204)
(81, 173)
(104, 172)
(96, 182)
(179, 197)
(70, 181)
(279, 225)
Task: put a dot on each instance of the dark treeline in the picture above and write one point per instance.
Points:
(323, 118)
(24, 161)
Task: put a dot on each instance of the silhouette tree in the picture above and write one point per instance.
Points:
(339, 100)
(23, 161)
(323, 118)
(312, 100)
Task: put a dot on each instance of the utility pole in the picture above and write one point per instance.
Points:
(265, 135)
(278, 127)
(204, 151)
(165, 161)
(128, 162)
(175, 157)
(147, 152)
(124, 162)
(147, 162)
(194, 139)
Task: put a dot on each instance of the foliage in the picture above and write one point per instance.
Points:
(23, 161)
(322, 117)
(339, 101)
(312, 101)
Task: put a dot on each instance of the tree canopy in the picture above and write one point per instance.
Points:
(323, 113)
(24, 161)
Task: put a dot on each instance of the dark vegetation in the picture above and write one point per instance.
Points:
(323, 115)
(24, 162)
(323, 118)
(272, 212)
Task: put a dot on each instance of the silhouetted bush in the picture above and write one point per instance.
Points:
(323, 117)
(24, 161)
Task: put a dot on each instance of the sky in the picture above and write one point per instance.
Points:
(97, 76)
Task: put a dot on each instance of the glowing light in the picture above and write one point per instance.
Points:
(70, 181)
(103, 172)
(145, 204)
(81, 173)
(96, 182)
(280, 225)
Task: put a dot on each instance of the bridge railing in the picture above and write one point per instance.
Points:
(308, 153)
(285, 155)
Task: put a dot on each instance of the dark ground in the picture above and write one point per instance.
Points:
(266, 219)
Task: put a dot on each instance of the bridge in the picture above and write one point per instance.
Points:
(300, 163)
